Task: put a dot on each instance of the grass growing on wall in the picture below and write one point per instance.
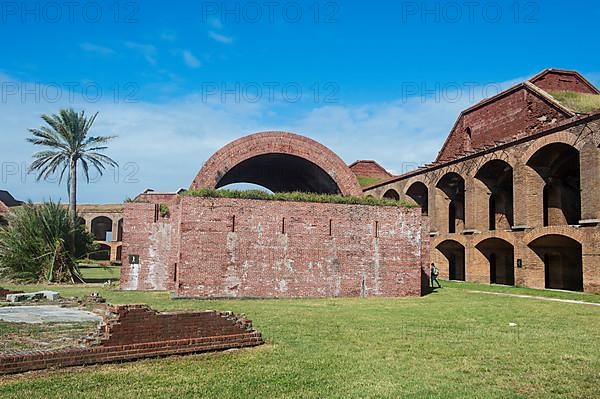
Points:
(578, 102)
(365, 181)
(296, 197)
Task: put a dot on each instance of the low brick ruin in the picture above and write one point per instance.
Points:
(131, 332)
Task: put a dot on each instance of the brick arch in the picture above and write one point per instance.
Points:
(560, 137)
(499, 234)
(286, 146)
(391, 193)
(413, 180)
(564, 231)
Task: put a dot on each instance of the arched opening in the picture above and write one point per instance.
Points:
(392, 194)
(562, 257)
(558, 165)
(500, 255)
(453, 186)
(455, 254)
(120, 230)
(101, 254)
(418, 192)
(497, 176)
(80, 221)
(281, 173)
(280, 162)
(102, 228)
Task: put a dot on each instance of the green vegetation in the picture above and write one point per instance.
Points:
(164, 210)
(506, 289)
(295, 196)
(41, 244)
(100, 274)
(578, 102)
(365, 181)
(66, 142)
(450, 344)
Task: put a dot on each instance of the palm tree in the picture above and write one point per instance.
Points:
(66, 137)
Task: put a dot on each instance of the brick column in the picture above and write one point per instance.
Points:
(115, 229)
(431, 208)
(440, 203)
(533, 272)
(591, 260)
(113, 251)
(528, 197)
(589, 161)
(476, 204)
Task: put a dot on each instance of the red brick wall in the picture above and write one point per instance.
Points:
(135, 331)
(518, 112)
(369, 169)
(134, 324)
(563, 81)
(4, 292)
(277, 249)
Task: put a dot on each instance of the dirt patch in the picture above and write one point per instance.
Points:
(43, 336)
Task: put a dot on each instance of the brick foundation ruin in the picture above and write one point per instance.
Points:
(132, 332)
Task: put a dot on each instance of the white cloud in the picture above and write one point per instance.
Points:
(215, 23)
(148, 51)
(96, 49)
(190, 59)
(220, 38)
(163, 146)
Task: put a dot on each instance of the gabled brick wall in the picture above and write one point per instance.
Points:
(369, 169)
(516, 112)
(557, 80)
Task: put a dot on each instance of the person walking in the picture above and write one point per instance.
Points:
(434, 275)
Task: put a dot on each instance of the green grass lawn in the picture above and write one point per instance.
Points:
(450, 344)
(97, 274)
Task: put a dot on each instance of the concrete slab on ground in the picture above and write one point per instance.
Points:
(45, 314)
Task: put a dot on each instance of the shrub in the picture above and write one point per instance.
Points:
(41, 244)
(164, 210)
(295, 196)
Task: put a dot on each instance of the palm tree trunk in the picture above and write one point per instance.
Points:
(73, 191)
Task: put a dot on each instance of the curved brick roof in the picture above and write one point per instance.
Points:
(276, 143)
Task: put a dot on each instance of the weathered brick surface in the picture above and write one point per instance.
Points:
(518, 111)
(527, 208)
(556, 80)
(256, 248)
(369, 169)
(134, 332)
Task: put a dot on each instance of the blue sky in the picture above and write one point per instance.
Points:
(372, 80)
